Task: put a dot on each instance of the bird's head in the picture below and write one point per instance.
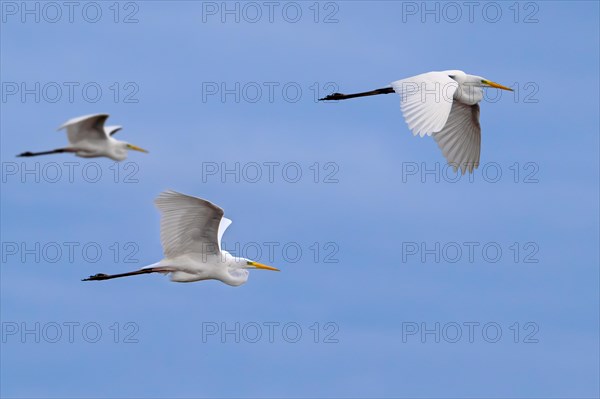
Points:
(118, 149)
(473, 80)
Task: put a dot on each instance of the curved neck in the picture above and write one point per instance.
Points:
(233, 272)
(234, 276)
(468, 93)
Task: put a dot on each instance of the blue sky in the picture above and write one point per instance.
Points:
(369, 224)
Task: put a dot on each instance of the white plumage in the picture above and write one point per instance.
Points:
(89, 138)
(444, 104)
(426, 101)
(191, 230)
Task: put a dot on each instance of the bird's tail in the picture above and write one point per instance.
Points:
(340, 96)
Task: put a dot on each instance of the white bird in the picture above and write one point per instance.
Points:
(89, 138)
(443, 104)
(190, 231)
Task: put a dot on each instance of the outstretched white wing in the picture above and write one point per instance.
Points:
(426, 101)
(460, 139)
(222, 227)
(86, 128)
(188, 224)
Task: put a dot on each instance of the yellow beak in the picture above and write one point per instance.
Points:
(136, 148)
(261, 266)
(497, 85)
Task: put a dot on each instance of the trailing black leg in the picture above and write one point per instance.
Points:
(340, 96)
(102, 276)
(35, 154)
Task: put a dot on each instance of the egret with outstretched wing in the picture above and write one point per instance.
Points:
(89, 138)
(190, 231)
(443, 104)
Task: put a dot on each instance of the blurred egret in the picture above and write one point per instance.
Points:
(89, 138)
(190, 231)
(443, 104)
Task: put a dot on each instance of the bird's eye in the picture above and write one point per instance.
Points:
(451, 76)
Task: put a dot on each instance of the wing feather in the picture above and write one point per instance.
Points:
(225, 223)
(188, 224)
(460, 139)
(88, 127)
(426, 101)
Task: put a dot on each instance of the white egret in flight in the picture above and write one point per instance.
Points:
(89, 138)
(190, 231)
(443, 104)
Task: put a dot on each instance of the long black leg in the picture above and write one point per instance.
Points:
(35, 154)
(340, 96)
(102, 276)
